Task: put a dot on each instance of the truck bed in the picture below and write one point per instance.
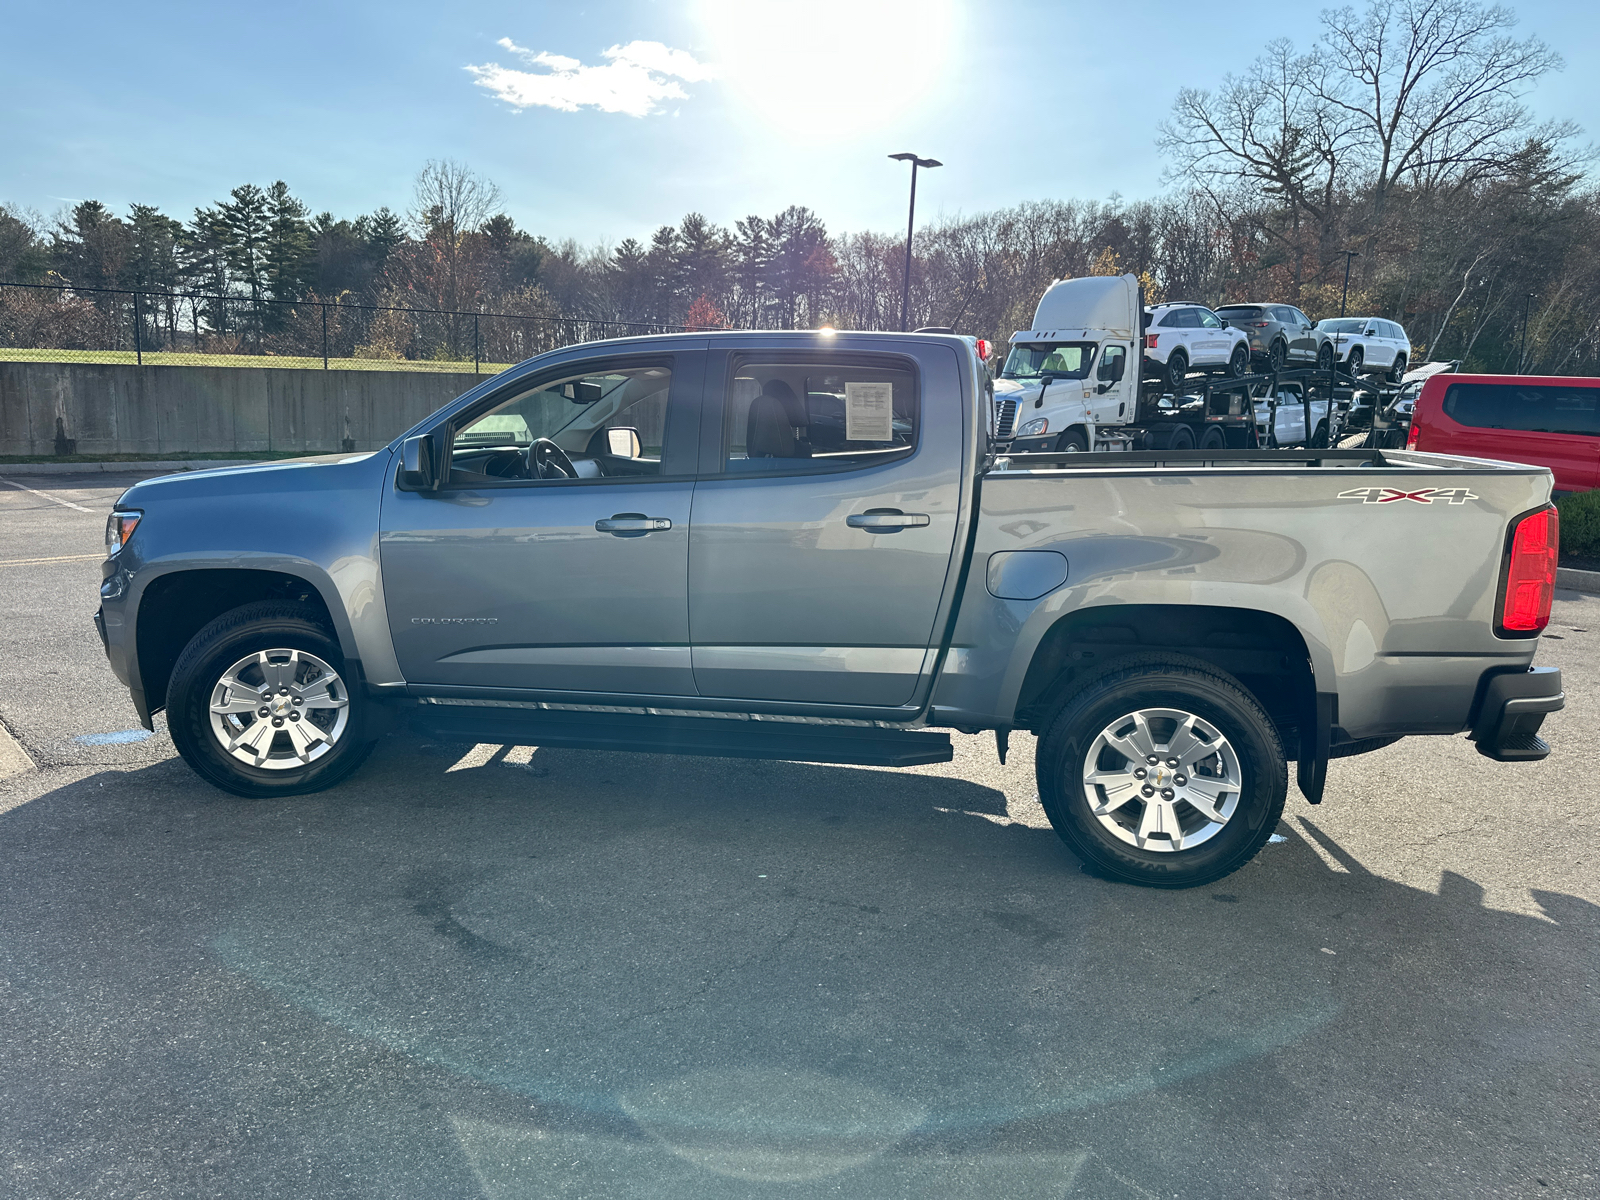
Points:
(1378, 570)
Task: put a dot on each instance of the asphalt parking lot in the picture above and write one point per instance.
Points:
(517, 972)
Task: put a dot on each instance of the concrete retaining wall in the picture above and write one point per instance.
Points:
(163, 410)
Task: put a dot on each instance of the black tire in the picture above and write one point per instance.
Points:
(1141, 684)
(1213, 438)
(1356, 362)
(1319, 438)
(263, 626)
(1182, 438)
(1072, 441)
(1277, 355)
(1177, 371)
(1239, 361)
(1325, 357)
(1397, 373)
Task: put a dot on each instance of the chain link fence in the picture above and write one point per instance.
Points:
(60, 323)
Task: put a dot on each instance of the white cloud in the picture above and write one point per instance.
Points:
(634, 79)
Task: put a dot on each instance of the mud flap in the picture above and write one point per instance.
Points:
(1312, 773)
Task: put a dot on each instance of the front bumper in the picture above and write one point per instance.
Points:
(1513, 705)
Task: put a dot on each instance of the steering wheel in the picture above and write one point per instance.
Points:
(546, 460)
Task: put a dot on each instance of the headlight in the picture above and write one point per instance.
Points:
(119, 528)
(1035, 427)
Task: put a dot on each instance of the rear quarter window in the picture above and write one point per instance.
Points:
(1532, 408)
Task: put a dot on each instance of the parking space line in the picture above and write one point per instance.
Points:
(47, 496)
(28, 562)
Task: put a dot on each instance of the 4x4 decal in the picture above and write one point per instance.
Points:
(1387, 495)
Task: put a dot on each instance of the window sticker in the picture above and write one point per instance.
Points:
(869, 412)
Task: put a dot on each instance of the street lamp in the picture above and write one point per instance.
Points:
(1344, 295)
(911, 219)
(1522, 354)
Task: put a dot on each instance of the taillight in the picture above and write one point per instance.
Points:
(1416, 430)
(1530, 579)
(1150, 340)
(1261, 324)
(983, 350)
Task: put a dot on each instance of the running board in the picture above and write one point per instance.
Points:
(712, 737)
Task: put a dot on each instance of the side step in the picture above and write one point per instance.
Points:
(709, 736)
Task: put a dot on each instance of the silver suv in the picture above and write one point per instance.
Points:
(1280, 334)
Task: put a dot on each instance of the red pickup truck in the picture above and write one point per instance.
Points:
(1544, 420)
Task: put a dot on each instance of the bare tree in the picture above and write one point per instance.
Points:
(451, 198)
(1432, 89)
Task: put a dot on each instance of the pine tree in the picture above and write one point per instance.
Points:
(286, 256)
(246, 227)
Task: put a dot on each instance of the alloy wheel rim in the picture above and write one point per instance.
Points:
(279, 709)
(1162, 779)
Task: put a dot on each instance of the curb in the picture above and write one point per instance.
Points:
(125, 468)
(1578, 581)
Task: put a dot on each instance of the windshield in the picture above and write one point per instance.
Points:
(1060, 360)
(1239, 312)
(1342, 325)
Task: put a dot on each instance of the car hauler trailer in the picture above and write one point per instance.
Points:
(1076, 381)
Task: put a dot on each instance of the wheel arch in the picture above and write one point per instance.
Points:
(1264, 651)
(175, 603)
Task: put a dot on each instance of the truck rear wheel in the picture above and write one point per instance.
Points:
(260, 704)
(1162, 772)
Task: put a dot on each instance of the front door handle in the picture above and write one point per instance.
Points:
(886, 520)
(631, 524)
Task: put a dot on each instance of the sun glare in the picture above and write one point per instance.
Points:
(828, 69)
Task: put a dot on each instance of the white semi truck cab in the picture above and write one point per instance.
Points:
(1073, 378)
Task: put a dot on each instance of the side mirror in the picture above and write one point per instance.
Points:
(1111, 368)
(623, 442)
(1224, 321)
(417, 471)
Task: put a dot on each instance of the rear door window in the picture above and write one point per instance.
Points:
(1525, 407)
(818, 414)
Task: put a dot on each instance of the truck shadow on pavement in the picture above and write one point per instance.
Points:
(616, 976)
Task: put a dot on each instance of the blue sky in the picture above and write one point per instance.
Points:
(752, 104)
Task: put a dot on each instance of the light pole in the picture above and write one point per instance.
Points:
(1522, 354)
(911, 220)
(1344, 295)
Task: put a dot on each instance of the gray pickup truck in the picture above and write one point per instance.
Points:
(809, 546)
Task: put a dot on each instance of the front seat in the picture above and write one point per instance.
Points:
(770, 433)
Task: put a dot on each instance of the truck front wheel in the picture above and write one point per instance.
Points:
(1162, 772)
(260, 704)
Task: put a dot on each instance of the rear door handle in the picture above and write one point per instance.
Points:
(632, 524)
(886, 520)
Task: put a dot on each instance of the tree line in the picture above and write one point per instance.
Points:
(1397, 146)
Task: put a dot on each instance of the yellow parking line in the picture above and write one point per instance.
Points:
(28, 562)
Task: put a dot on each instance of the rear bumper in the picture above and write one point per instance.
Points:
(1512, 707)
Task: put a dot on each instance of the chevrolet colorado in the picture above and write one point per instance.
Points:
(809, 546)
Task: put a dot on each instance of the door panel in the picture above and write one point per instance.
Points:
(555, 583)
(790, 601)
(515, 588)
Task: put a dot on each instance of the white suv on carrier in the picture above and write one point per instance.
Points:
(1369, 345)
(1181, 337)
